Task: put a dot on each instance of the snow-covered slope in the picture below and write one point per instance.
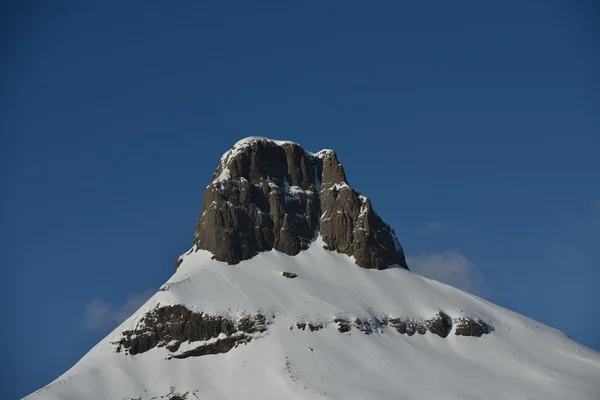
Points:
(519, 359)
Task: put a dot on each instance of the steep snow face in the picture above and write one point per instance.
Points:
(518, 359)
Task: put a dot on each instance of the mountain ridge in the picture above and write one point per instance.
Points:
(334, 331)
(327, 318)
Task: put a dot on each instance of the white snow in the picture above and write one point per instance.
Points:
(223, 176)
(291, 192)
(252, 139)
(323, 153)
(521, 359)
(298, 190)
(339, 186)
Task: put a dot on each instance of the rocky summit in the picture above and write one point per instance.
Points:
(268, 194)
(303, 321)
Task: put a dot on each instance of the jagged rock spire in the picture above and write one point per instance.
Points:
(268, 194)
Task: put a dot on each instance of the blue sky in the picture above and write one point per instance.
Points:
(474, 128)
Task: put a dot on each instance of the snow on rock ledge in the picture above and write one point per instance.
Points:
(186, 333)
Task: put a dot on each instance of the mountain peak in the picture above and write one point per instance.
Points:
(314, 326)
(270, 194)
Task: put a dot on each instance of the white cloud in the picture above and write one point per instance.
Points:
(99, 316)
(449, 267)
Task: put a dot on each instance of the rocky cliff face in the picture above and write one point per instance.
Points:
(268, 195)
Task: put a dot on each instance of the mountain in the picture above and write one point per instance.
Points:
(294, 288)
(267, 194)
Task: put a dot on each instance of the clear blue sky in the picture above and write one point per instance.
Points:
(474, 128)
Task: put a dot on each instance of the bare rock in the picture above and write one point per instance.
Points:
(268, 195)
(470, 327)
(363, 325)
(169, 326)
(343, 325)
(178, 263)
(349, 224)
(407, 326)
(315, 327)
(441, 325)
(262, 197)
(220, 346)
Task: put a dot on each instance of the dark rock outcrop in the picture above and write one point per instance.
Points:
(343, 325)
(470, 327)
(262, 196)
(441, 324)
(311, 327)
(274, 195)
(407, 326)
(170, 326)
(364, 326)
(220, 346)
(290, 275)
(349, 224)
